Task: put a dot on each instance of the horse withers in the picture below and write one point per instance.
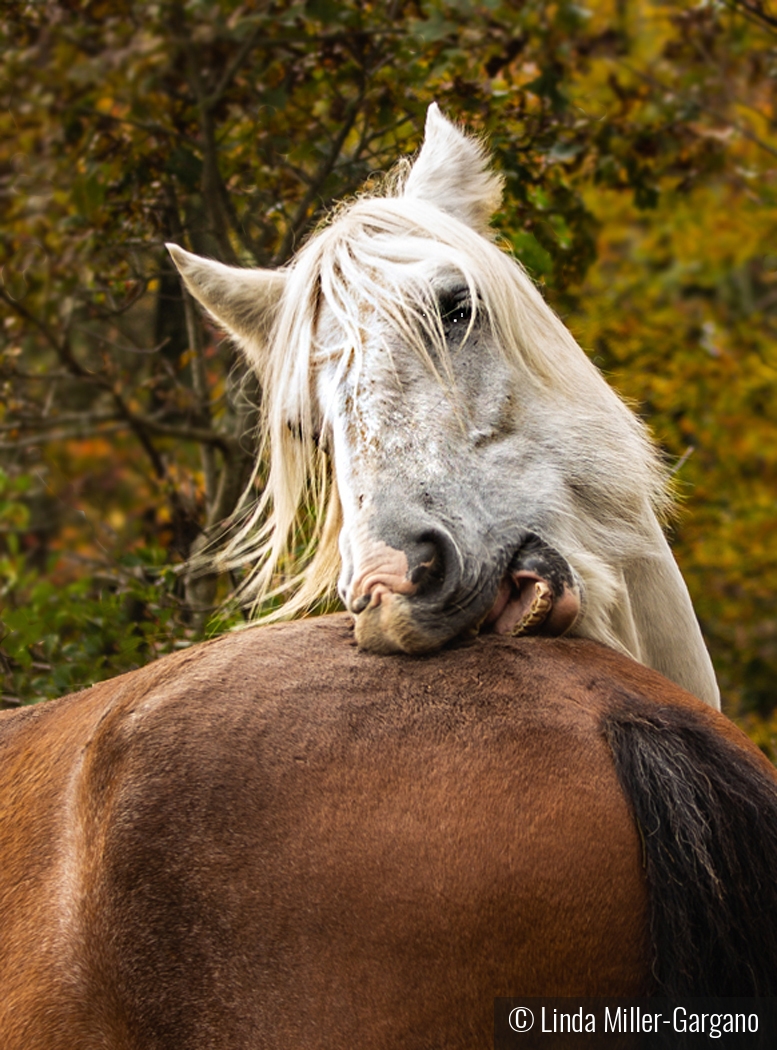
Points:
(278, 839)
(421, 394)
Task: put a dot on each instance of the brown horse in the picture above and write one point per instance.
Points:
(278, 840)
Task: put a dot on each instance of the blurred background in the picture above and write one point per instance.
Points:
(639, 144)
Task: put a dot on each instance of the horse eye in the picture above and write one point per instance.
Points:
(295, 428)
(456, 310)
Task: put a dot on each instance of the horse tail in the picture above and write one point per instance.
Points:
(706, 810)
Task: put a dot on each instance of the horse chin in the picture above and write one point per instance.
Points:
(388, 627)
(394, 626)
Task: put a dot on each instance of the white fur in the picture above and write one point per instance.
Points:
(451, 172)
(353, 321)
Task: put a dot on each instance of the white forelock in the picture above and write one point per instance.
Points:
(385, 258)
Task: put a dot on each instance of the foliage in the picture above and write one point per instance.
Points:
(691, 338)
(70, 624)
(638, 142)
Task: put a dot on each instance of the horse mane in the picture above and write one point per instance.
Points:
(376, 256)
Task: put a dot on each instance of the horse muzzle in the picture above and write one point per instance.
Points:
(436, 600)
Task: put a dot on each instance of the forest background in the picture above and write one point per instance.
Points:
(639, 143)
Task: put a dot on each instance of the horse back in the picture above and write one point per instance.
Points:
(277, 839)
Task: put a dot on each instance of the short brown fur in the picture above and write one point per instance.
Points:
(277, 840)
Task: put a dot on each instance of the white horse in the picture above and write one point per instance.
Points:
(467, 466)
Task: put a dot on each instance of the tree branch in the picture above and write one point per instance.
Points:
(213, 190)
(42, 327)
(57, 437)
(231, 71)
(91, 427)
(300, 217)
(76, 369)
(756, 10)
(152, 129)
(743, 130)
(117, 346)
(47, 423)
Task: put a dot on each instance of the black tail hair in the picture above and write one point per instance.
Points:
(707, 816)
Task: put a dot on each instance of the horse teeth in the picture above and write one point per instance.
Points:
(540, 607)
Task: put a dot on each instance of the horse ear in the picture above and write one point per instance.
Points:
(242, 301)
(451, 172)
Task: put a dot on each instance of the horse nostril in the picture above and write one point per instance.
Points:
(420, 572)
(429, 563)
(422, 565)
(422, 558)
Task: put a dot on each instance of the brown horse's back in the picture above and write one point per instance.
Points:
(277, 840)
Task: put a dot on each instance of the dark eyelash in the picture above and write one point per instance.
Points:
(295, 429)
(456, 309)
(460, 314)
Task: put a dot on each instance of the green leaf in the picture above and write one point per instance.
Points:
(537, 260)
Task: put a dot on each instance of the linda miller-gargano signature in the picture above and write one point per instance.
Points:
(636, 1020)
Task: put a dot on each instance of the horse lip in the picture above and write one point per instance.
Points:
(501, 601)
(360, 604)
(524, 602)
(539, 592)
(527, 603)
(408, 624)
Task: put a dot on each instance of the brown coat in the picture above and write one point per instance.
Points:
(277, 840)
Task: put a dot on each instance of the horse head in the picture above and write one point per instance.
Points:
(467, 465)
